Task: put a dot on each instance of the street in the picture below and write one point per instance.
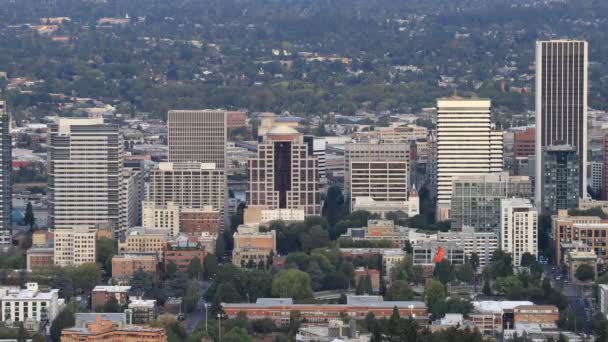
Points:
(577, 300)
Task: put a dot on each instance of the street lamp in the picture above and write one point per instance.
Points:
(206, 330)
(219, 325)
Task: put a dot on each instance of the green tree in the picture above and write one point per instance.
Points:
(291, 284)
(85, 276)
(64, 283)
(434, 292)
(38, 338)
(210, 266)
(106, 249)
(191, 296)
(171, 270)
(29, 218)
(527, 260)
(111, 305)
(195, 268)
(444, 272)
(364, 286)
(398, 291)
(65, 319)
(333, 208)
(237, 335)
(585, 272)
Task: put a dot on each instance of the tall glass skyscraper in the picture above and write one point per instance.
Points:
(561, 103)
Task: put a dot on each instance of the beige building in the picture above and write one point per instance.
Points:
(144, 240)
(251, 244)
(197, 136)
(161, 217)
(466, 144)
(257, 215)
(285, 174)
(75, 246)
(382, 181)
(131, 197)
(390, 258)
(188, 185)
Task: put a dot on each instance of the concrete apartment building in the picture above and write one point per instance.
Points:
(590, 231)
(561, 105)
(197, 136)
(85, 173)
(188, 185)
(285, 174)
(144, 240)
(476, 199)
(133, 193)
(176, 220)
(466, 144)
(518, 228)
(382, 181)
(6, 171)
(75, 246)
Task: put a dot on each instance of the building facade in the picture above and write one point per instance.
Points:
(144, 240)
(590, 231)
(518, 228)
(75, 246)
(560, 179)
(561, 105)
(466, 144)
(476, 199)
(285, 174)
(197, 136)
(85, 171)
(6, 171)
(21, 305)
(181, 251)
(133, 193)
(382, 181)
(125, 265)
(106, 331)
(188, 185)
(481, 243)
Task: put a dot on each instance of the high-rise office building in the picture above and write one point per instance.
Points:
(374, 151)
(518, 228)
(133, 193)
(197, 136)
(285, 174)
(6, 187)
(560, 179)
(466, 144)
(188, 185)
(383, 181)
(561, 103)
(85, 173)
(596, 177)
(523, 148)
(476, 199)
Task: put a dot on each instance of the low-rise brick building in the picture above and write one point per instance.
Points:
(194, 221)
(39, 258)
(181, 251)
(374, 276)
(123, 266)
(544, 315)
(101, 294)
(357, 307)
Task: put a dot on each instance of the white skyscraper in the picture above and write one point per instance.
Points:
(466, 144)
(561, 102)
(518, 228)
(85, 173)
(6, 188)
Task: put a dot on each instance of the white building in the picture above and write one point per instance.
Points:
(411, 206)
(29, 305)
(482, 243)
(85, 173)
(518, 228)
(603, 301)
(75, 246)
(466, 144)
